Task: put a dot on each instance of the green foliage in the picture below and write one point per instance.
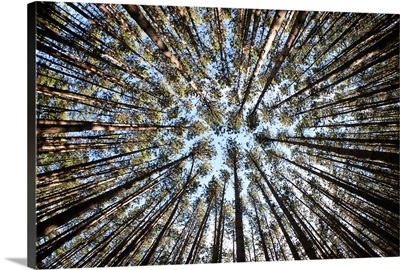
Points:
(129, 100)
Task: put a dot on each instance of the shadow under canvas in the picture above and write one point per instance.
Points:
(20, 261)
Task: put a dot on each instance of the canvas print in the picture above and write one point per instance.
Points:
(171, 135)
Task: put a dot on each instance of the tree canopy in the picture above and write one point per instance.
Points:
(185, 135)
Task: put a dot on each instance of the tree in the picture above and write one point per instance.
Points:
(233, 157)
(184, 135)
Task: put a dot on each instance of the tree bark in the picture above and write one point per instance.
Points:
(300, 18)
(302, 237)
(47, 226)
(276, 24)
(289, 241)
(61, 126)
(240, 248)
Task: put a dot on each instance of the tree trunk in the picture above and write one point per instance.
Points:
(260, 231)
(387, 157)
(155, 244)
(302, 237)
(301, 16)
(47, 226)
(289, 241)
(60, 126)
(374, 198)
(276, 24)
(240, 248)
(199, 235)
(217, 236)
(356, 60)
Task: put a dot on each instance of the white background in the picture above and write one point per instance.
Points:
(13, 98)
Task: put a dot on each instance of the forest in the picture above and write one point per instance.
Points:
(171, 135)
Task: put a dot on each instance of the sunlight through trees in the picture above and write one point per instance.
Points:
(185, 135)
